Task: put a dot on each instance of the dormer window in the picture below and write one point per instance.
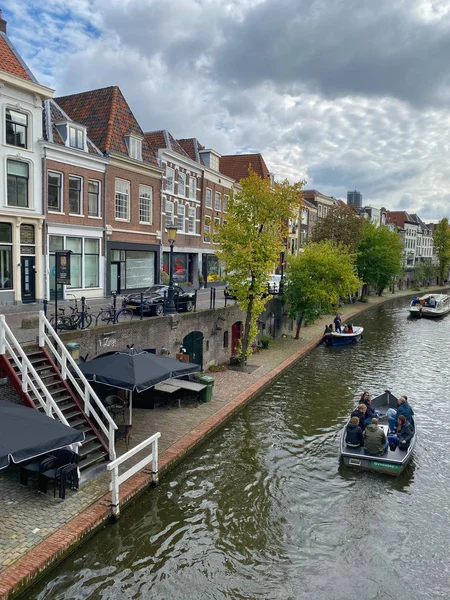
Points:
(134, 147)
(76, 138)
(73, 135)
(214, 162)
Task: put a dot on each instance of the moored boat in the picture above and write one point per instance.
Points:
(430, 306)
(342, 339)
(391, 462)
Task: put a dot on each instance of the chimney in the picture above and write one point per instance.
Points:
(2, 23)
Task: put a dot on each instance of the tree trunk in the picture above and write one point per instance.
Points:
(245, 340)
(299, 324)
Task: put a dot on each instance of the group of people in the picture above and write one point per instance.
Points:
(363, 430)
(430, 302)
(338, 327)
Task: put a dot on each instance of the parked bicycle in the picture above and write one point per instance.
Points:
(110, 315)
(76, 320)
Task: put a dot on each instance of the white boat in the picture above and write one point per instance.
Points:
(343, 339)
(430, 306)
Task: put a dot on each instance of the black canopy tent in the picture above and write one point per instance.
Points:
(135, 370)
(26, 433)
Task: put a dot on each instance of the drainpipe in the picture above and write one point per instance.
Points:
(45, 230)
(105, 237)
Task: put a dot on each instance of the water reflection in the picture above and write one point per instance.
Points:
(265, 511)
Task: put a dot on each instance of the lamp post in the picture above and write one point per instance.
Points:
(172, 235)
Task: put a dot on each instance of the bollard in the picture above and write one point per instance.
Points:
(142, 306)
(195, 300)
(214, 299)
(114, 296)
(210, 298)
(45, 303)
(83, 310)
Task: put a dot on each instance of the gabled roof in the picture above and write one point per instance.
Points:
(192, 147)
(53, 114)
(399, 217)
(163, 139)
(108, 119)
(237, 166)
(308, 204)
(11, 61)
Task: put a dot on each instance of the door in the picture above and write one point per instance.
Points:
(236, 332)
(115, 277)
(28, 277)
(193, 344)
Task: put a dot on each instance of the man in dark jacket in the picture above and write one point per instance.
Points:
(360, 412)
(374, 439)
(354, 435)
(404, 436)
(403, 409)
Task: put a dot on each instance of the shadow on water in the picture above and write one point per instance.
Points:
(265, 511)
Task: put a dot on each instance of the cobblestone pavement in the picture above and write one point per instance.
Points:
(27, 517)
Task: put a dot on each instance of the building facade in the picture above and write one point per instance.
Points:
(354, 198)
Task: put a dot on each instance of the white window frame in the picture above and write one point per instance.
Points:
(30, 203)
(125, 191)
(208, 205)
(192, 190)
(181, 218)
(99, 212)
(134, 146)
(216, 220)
(28, 127)
(61, 199)
(192, 220)
(79, 136)
(182, 187)
(170, 189)
(80, 179)
(169, 213)
(217, 201)
(207, 221)
(146, 197)
(226, 199)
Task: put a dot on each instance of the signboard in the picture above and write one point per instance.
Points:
(63, 267)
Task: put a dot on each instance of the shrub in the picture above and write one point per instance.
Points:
(363, 299)
(265, 341)
(164, 278)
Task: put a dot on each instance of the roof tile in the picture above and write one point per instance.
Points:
(9, 60)
(237, 165)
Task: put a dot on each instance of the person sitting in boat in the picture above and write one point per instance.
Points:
(328, 329)
(345, 329)
(349, 328)
(337, 323)
(370, 412)
(375, 441)
(404, 436)
(403, 409)
(432, 302)
(360, 412)
(353, 434)
(415, 301)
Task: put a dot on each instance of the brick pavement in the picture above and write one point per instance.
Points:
(35, 529)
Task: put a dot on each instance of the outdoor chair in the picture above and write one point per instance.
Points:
(62, 468)
(123, 432)
(31, 469)
(115, 406)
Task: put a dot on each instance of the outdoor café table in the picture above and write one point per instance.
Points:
(172, 385)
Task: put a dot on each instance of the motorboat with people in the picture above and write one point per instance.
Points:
(430, 306)
(345, 336)
(393, 460)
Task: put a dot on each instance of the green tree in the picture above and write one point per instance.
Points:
(251, 240)
(380, 256)
(341, 225)
(441, 243)
(424, 272)
(317, 278)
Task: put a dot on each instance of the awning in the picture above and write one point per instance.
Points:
(26, 433)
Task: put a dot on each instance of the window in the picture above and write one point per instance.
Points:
(139, 269)
(84, 261)
(192, 188)
(145, 204)
(75, 203)
(169, 213)
(214, 162)
(216, 228)
(226, 199)
(16, 128)
(134, 147)
(191, 223)
(225, 339)
(208, 202)
(94, 198)
(181, 184)
(54, 191)
(170, 174)
(6, 282)
(217, 202)
(122, 199)
(76, 245)
(76, 138)
(91, 262)
(17, 183)
(181, 214)
(207, 230)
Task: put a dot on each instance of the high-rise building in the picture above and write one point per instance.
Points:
(354, 198)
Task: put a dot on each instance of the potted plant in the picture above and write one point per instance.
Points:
(265, 341)
(201, 280)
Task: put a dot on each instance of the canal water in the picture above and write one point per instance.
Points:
(265, 511)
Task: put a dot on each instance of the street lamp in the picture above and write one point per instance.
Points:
(172, 235)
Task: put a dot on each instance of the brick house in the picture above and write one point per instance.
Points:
(321, 201)
(74, 200)
(133, 180)
(21, 209)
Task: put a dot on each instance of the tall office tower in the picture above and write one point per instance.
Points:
(354, 198)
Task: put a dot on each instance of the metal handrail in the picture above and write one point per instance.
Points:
(117, 479)
(26, 367)
(88, 393)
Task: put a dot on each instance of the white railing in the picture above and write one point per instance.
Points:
(30, 378)
(117, 479)
(93, 406)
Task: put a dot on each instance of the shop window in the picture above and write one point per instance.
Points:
(145, 204)
(94, 198)
(17, 183)
(6, 282)
(55, 196)
(16, 128)
(76, 245)
(122, 193)
(75, 203)
(91, 262)
(84, 260)
(139, 269)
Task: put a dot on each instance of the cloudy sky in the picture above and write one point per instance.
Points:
(343, 93)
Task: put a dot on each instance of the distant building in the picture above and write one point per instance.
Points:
(354, 198)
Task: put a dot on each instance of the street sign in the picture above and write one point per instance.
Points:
(63, 266)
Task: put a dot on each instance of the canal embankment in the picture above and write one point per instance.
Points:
(182, 431)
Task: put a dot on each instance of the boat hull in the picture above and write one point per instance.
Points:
(428, 313)
(343, 339)
(391, 462)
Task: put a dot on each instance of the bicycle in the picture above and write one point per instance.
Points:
(111, 315)
(62, 322)
(77, 315)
